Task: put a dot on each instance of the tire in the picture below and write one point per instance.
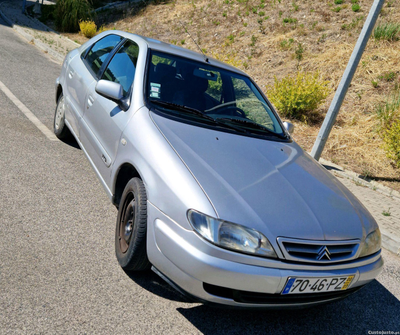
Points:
(59, 127)
(131, 229)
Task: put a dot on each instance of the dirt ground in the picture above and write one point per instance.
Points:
(261, 37)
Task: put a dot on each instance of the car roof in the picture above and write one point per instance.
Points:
(178, 51)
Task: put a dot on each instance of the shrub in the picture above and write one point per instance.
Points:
(101, 29)
(387, 31)
(229, 58)
(47, 13)
(388, 112)
(299, 52)
(253, 40)
(289, 20)
(338, 2)
(354, 23)
(355, 7)
(286, 44)
(68, 13)
(391, 138)
(88, 28)
(298, 96)
(389, 130)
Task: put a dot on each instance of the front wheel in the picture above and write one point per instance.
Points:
(131, 229)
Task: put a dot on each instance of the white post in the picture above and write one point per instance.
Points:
(346, 79)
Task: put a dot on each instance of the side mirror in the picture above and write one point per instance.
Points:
(112, 91)
(289, 127)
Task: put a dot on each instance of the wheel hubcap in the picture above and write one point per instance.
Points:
(127, 223)
(60, 114)
(128, 230)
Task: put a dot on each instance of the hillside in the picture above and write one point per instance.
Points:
(263, 37)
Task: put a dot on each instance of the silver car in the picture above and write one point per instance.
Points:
(212, 192)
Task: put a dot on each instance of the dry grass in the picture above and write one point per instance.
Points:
(252, 37)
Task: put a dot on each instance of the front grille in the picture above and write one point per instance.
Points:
(321, 252)
(247, 297)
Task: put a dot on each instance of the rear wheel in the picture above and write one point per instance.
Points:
(60, 129)
(131, 229)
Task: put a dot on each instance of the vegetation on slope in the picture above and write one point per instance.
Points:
(278, 38)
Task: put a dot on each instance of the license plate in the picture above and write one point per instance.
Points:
(298, 285)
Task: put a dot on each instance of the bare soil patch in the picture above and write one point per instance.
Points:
(261, 37)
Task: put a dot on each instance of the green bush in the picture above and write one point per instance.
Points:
(389, 111)
(88, 28)
(387, 31)
(391, 138)
(98, 3)
(298, 96)
(355, 7)
(47, 13)
(101, 29)
(389, 130)
(68, 13)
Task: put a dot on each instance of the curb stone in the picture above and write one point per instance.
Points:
(389, 241)
(372, 184)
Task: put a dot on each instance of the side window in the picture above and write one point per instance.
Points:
(122, 67)
(100, 51)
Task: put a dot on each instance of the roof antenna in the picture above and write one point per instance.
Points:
(205, 56)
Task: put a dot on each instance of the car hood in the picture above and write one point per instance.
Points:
(273, 187)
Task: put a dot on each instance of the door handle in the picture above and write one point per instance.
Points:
(71, 74)
(90, 101)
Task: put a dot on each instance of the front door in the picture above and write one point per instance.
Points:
(103, 120)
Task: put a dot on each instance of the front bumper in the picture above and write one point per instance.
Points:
(215, 275)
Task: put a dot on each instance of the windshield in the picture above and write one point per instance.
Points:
(223, 97)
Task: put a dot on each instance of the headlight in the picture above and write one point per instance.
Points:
(230, 235)
(372, 243)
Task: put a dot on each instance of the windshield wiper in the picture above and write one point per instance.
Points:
(195, 111)
(253, 125)
(183, 108)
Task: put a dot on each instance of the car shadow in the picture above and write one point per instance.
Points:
(115, 111)
(156, 285)
(371, 309)
(329, 167)
(71, 141)
(377, 178)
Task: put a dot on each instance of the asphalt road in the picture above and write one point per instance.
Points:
(58, 272)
